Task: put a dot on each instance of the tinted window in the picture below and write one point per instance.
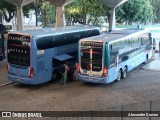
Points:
(18, 49)
(128, 48)
(44, 42)
(91, 53)
(64, 39)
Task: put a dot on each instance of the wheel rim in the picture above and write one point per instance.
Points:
(146, 60)
(125, 73)
(54, 76)
(119, 76)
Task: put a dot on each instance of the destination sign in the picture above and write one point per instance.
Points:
(19, 37)
(91, 43)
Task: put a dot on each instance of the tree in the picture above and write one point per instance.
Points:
(134, 11)
(85, 12)
(156, 10)
(97, 10)
(47, 13)
(9, 10)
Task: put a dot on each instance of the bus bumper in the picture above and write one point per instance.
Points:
(22, 80)
(92, 79)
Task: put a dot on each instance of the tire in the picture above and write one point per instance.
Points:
(146, 59)
(55, 76)
(119, 76)
(124, 75)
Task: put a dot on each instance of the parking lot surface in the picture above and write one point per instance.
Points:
(141, 85)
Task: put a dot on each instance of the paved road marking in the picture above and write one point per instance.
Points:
(6, 84)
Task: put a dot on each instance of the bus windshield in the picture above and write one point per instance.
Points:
(18, 49)
(91, 57)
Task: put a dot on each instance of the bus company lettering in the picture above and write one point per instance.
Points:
(66, 48)
(91, 44)
(21, 38)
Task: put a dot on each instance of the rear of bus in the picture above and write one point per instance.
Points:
(19, 65)
(92, 66)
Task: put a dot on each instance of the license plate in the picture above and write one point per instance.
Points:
(90, 78)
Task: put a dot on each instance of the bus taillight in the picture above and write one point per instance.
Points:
(78, 68)
(105, 72)
(31, 72)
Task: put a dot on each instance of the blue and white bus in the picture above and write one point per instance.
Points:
(108, 57)
(34, 56)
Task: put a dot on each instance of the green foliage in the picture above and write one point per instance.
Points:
(134, 11)
(90, 11)
(79, 10)
(27, 8)
(48, 13)
(156, 10)
(9, 10)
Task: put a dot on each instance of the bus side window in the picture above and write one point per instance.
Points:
(92, 33)
(76, 35)
(83, 34)
(110, 47)
(114, 53)
(141, 41)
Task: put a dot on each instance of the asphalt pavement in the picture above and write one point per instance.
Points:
(141, 85)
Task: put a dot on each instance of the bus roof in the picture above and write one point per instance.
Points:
(116, 35)
(57, 30)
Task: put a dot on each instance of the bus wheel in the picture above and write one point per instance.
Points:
(119, 75)
(146, 59)
(55, 76)
(124, 72)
